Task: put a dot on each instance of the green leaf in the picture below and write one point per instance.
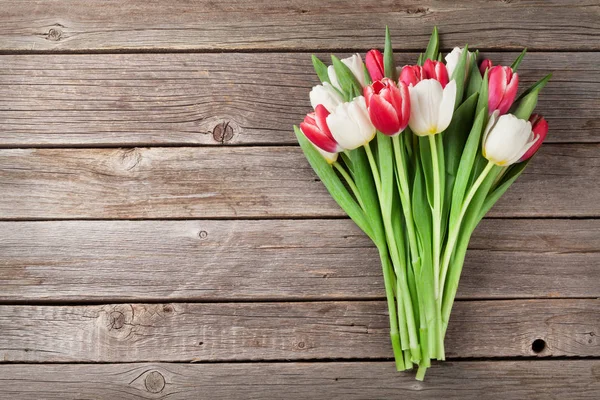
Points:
(426, 165)
(368, 79)
(482, 103)
(389, 65)
(459, 76)
(348, 82)
(474, 83)
(422, 215)
(470, 221)
(320, 69)
(433, 46)
(465, 167)
(363, 178)
(525, 104)
(334, 185)
(420, 60)
(539, 85)
(456, 134)
(517, 62)
(455, 138)
(512, 174)
(386, 171)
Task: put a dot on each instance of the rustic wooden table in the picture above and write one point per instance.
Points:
(162, 236)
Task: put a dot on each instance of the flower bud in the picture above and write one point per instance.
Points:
(539, 127)
(374, 63)
(388, 105)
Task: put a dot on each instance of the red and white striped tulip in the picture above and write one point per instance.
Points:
(507, 139)
(539, 127)
(388, 105)
(355, 64)
(350, 124)
(374, 64)
(317, 132)
(326, 95)
(413, 74)
(502, 88)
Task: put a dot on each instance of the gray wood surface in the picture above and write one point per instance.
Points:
(275, 260)
(156, 208)
(502, 380)
(241, 182)
(231, 98)
(308, 24)
(285, 331)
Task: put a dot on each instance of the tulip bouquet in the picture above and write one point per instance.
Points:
(416, 156)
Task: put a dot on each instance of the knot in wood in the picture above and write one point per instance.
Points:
(131, 158)
(54, 34)
(203, 235)
(116, 320)
(223, 132)
(154, 382)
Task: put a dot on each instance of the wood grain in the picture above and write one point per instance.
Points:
(214, 99)
(285, 331)
(502, 380)
(238, 182)
(240, 25)
(275, 260)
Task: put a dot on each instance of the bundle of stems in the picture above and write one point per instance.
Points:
(420, 197)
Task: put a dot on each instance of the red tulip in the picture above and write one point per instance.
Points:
(413, 74)
(502, 88)
(316, 130)
(436, 70)
(485, 64)
(388, 105)
(539, 127)
(374, 63)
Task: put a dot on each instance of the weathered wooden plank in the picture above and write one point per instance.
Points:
(308, 24)
(275, 260)
(503, 380)
(285, 331)
(242, 182)
(208, 99)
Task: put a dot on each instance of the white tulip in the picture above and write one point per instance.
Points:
(453, 58)
(327, 95)
(431, 107)
(350, 124)
(506, 139)
(355, 63)
(329, 157)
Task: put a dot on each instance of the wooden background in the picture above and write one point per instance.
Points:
(162, 236)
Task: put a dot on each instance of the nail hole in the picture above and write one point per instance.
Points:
(538, 345)
(200, 343)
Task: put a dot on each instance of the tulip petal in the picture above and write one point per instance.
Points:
(497, 86)
(416, 121)
(383, 116)
(446, 106)
(333, 77)
(509, 95)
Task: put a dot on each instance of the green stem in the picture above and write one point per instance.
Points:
(436, 214)
(437, 332)
(405, 199)
(350, 182)
(374, 168)
(403, 292)
(455, 230)
(389, 294)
